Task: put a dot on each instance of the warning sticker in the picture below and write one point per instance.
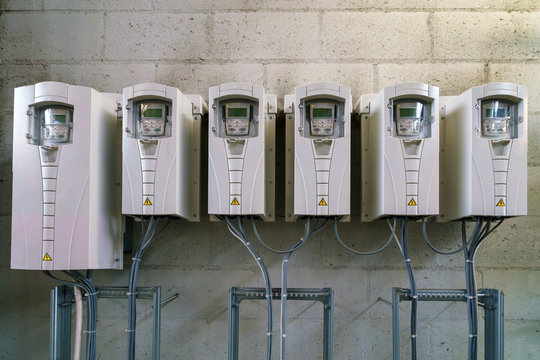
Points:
(147, 202)
(500, 203)
(47, 257)
(235, 202)
(412, 202)
(322, 202)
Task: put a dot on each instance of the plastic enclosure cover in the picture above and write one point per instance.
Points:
(66, 198)
(160, 174)
(318, 167)
(484, 174)
(241, 156)
(400, 167)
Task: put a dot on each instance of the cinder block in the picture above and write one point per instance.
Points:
(155, 36)
(375, 35)
(486, 35)
(197, 78)
(451, 78)
(523, 74)
(513, 244)
(52, 36)
(13, 76)
(207, 5)
(398, 4)
(533, 156)
(97, 5)
(283, 78)
(258, 35)
(103, 77)
(12, 5)
(533, 198)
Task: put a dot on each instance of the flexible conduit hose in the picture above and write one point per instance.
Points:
(240, 234)
(78, 323)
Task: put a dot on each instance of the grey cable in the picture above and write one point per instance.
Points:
(362, 252)
(426, 239)
(240, 235)
(147, 238)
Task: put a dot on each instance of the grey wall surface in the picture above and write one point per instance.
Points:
(279, 44)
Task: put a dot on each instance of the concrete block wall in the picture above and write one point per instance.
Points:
(365, 44)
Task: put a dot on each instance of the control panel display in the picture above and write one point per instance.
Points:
(237, 119)
(55, 124)
(322, 119)
(152, 118)
(497, 118)
(410, 118)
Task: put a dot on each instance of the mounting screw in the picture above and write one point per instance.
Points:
(28, 136)
(128, 107)
(213, 129)
(477, 106)
(214, 106)
(389, 129)
(29, 113)
(389, 106)
(127, 130)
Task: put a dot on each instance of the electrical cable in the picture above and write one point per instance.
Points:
(426, 239)
(148, 236)
(402, 241)
(362, 252)
(283, 252)
(91, 304)
(470, 248)
(240, 234)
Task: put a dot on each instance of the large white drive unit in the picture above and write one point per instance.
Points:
(161, 151)
(484, 153)
(318, 158)
(241, 156)
(66, 179)
(400, 151)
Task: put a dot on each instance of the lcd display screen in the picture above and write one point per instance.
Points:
(153, 113)
(237, 112)
(61, 119)
(322, 113)
(501, 112)
(407, 112)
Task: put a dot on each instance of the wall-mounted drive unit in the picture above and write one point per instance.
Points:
(161, 151)
(318, 158)
(400, 151)
(241, 156)
(484, 152)
(66, 179)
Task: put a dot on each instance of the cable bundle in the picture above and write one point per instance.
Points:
(147, 238)
(84, 283)
(480, 233)
(240, 234)
(284, 269)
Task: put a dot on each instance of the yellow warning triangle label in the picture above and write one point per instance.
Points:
(47, 257)
(147, 202)
(235, 202)
(412, 202)
(500, 203)
(322, 202)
